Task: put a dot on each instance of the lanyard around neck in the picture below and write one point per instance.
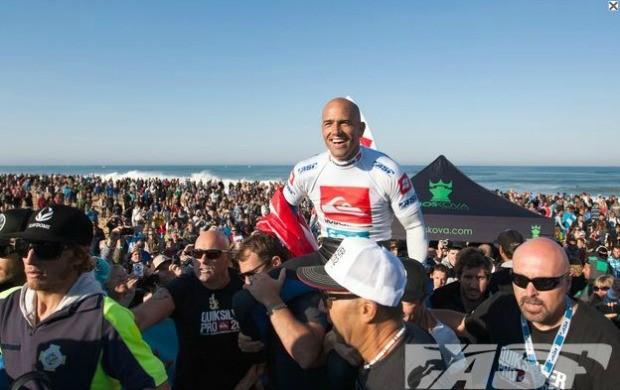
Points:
(386, 348)
(558, 342)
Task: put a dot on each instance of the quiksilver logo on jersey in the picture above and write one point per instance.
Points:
(2, 221)
(44, 215)
(350, 205)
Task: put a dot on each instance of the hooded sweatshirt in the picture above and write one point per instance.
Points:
(89, 341)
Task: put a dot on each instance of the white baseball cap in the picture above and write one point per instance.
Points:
(362, 267)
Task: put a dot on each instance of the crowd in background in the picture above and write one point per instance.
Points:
(144, 232)
(171, 207)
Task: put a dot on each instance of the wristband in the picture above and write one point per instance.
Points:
(275, 308)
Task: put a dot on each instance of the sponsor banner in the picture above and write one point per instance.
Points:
(449, 231)
(478, 228)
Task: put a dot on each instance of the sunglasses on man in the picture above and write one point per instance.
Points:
(603, 288)
(328, 298)
(43, 250)
(540, 284)
(210, 254)
(253, 271)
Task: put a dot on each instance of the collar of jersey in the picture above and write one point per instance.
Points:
(348, 163)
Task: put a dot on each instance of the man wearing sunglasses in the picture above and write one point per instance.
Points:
(60, 325)
(362, 286)
(575, 346)
(200, 303)
(295, 329)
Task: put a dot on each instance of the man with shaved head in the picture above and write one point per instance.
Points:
(547, 339)
(200, 303)
(356, 191)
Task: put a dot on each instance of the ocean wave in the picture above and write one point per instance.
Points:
(135, 174)
(202, 176)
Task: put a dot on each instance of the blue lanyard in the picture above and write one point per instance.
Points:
(558, 342)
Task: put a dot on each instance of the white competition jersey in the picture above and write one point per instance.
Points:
(359, 199)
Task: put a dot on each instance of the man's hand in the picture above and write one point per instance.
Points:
(265, 289)
(247, 345)
(175, 269)
(183, 256)
(115, 235)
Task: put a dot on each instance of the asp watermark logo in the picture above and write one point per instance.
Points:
(441, 191)
(483, 366)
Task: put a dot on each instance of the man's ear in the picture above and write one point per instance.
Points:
(367, 310)
(362, 128)
(81, 257)
(276, 261)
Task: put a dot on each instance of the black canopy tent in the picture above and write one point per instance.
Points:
(457, 208)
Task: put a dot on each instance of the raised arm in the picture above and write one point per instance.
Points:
(156, 309)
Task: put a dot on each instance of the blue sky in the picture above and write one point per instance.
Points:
(210, 82)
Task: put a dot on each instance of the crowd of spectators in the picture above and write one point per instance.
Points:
(144, 232)
(147, 217)
(174, 210)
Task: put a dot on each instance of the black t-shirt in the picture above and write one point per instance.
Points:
(389, 372)
(580, 366)
(209, 356)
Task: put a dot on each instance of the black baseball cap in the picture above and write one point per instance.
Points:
(417, 280)
(58, 223)
(12, 221)
(455, 245)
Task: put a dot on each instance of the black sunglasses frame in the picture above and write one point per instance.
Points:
(43, 250)
(328, 297)
(540, 284)
(253, 271)
(210, 254)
